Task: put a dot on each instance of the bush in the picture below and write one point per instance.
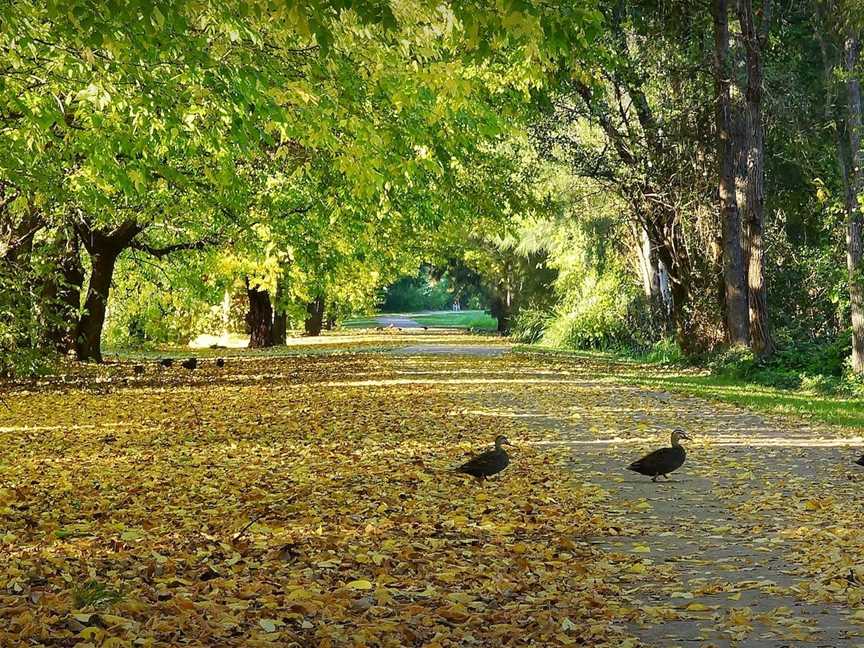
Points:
(664, 351)
(817, 366)
(600, 317)
(529, 325)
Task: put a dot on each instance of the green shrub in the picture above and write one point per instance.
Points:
(823, 384)
(529, 325)
(664, 351)
(599, 317)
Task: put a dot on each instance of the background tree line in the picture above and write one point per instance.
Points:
(640, 175)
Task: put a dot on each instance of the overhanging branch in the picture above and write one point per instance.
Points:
(160, 252)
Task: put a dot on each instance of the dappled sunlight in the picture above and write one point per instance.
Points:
(338, 489)
(335, 476)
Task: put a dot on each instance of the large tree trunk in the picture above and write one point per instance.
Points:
(103, 246)
(753, 205)
(88, 337)
(502, 310)
(314, 321)
(280, 327)
(737, 312)
(854, 220)
(259, 318)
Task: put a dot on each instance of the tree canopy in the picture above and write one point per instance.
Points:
(647, 170)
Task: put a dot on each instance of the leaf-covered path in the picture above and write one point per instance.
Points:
(310, 501)
(757, 541)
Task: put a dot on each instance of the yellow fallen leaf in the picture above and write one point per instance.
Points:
(360, 584)
(699, 607)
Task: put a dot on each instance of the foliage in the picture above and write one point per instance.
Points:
(599, 317)
(320, 148)
(418, 293)
(529, 325)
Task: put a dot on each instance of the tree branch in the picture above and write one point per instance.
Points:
(160, 252)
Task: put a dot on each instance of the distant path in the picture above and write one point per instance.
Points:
(398, 322)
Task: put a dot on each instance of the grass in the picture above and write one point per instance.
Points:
(846, 411)
(458, 319)
(360, 323)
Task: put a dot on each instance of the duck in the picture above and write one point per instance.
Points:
(166, 362)
(860, 461)
(664, 460)
(189, 364)
(220, 362)
(488, 463)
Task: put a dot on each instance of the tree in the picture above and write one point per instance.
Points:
(737, 311)
(839, 36)
(751, 200)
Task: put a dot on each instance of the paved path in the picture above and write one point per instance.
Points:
(398, 322)
(718, 543)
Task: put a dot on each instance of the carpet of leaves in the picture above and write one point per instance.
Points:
(290, 502)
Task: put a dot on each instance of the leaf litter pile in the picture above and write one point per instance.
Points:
(293, 501)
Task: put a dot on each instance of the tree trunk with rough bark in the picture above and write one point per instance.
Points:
(259, 318)
(88, 336)
(103, 246)
(737, 311)
(854, 219)
(752, 148)
(280, 327)
(314, 321)
(502, 310)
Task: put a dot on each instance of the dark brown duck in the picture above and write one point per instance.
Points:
(664, 460)
(490, 462)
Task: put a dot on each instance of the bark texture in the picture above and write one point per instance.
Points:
(854, 220)
(753, 190)
(103, 246)
(737, 311)
(314, 321)
(259, 318)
